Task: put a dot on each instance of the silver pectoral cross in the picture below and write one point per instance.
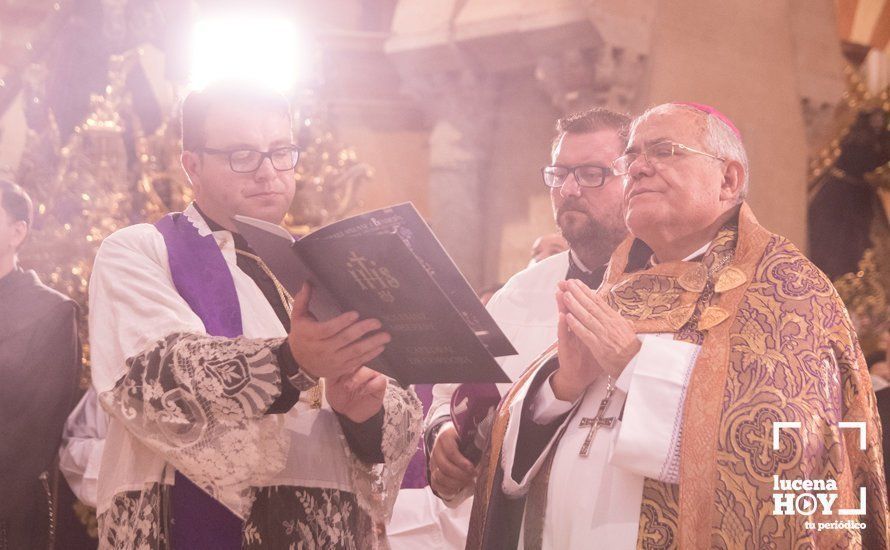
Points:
(597, 421)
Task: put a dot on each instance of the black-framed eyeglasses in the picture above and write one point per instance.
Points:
(244, 161)
(655, 154)
(587, 175)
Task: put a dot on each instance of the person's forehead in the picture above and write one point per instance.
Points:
(600, 143)
(235, 121)
(678, 126)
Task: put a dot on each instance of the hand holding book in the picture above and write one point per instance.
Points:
(336, 347)
(358, 396)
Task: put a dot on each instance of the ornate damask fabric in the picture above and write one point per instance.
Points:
(200, 401)
(777, 346)
(793, 357)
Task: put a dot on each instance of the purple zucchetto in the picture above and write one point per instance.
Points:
(712, 111)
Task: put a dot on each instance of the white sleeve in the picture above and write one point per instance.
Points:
(546, 407)
(149, 351)
(441, 405)
(519, 487)
(133, 302)
(648, 442)
(83, 440)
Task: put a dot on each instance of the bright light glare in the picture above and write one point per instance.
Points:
(264, 51)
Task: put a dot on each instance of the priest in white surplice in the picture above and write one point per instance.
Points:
(236, 419)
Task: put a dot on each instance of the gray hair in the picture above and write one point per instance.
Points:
(717, 137)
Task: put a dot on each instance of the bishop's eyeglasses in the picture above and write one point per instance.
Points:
(244, 161)
(587, 175)
(655, 154)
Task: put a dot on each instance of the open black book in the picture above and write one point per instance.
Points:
(387, 264)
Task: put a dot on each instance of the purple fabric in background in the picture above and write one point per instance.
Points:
(203, 279)
(415, 475)
(470, 405)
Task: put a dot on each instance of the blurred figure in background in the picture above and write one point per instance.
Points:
(879, 369)
(546, 246)
(40, 359)
(83, 440)
(586, 198)
(488, 292)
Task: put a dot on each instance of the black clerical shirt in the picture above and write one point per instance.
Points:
(590, 278)
(39, 367)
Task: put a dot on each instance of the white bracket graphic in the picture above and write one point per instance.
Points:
(855, 511)
(777, 427)
(858, 425)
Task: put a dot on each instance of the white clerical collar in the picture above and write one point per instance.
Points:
(654, 261)
(195, 217)
(223, 237)
(578, 262)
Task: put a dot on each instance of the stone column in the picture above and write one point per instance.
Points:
(608, 75)
(460, 106)
(456, 56)
(757, 61)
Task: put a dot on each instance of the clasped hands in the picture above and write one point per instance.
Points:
(337, 350)
(594, 339)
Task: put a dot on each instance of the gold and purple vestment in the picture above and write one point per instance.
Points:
(777, 346)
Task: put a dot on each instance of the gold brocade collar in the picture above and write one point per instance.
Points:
(663, 298)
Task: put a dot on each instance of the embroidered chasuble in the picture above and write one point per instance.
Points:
(776, 345)
(191, 362)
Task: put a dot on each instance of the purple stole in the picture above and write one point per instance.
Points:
(203, 279)
(415, 475)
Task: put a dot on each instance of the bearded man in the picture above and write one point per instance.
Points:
(586, 197)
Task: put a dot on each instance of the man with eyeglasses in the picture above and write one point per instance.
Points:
(586, 199)
(662, 404)
(237, 420)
